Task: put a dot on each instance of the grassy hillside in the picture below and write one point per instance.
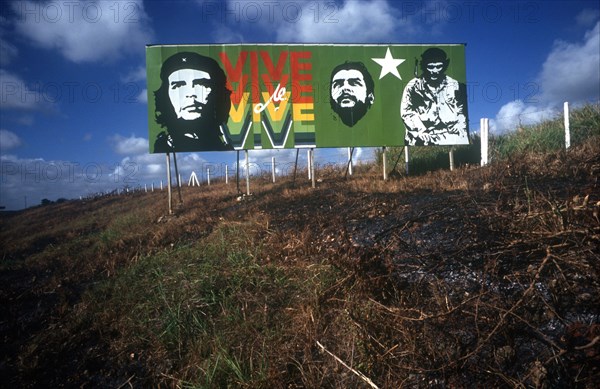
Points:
(472, 278)
(545, 137)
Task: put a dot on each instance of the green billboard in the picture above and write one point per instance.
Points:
(265, 96)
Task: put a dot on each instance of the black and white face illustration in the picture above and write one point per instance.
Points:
(434, 71)
(348, 88)
(192, 104)
(433, 65)
(189, 91)
(351, 93)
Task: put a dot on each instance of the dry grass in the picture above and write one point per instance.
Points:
(477, 277)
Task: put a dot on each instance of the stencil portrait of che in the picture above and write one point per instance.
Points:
(191, 105)
(352, 91)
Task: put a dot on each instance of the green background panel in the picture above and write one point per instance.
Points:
(381, 126)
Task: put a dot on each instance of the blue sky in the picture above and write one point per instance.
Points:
(73, 108)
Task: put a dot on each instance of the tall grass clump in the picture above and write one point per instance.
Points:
(204, 314)
(547, 136)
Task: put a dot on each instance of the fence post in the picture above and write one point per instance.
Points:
(247, 173)
(169, 184)
(484, 132)
(567, 126)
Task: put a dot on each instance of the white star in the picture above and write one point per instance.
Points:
(183, 59)
(389, 64)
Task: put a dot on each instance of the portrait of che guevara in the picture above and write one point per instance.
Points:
(352, 92)
(192, 105)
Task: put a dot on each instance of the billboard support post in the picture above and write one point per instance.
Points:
(312, 167)
(384, 154)
(247, 173)
(177, 177)
(350, 161)
(451, 156)
(349, 164)
(169, 184)
(273, 168)
(237, 173)
(296, 165)
(308, 162)
(406, 158)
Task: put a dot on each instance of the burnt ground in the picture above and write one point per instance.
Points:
(452, 279)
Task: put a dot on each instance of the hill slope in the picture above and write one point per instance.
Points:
(481, 275)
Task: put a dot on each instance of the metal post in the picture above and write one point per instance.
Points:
(226, 174)
(208, 176)
(169, 184)
(273, 168)
(406, 158)
(567, 126)
(451, 155)
(247, 173)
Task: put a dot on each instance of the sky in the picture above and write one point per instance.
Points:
(73, 99)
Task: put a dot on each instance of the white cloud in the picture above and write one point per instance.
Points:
(366, 21)
(29, 180)
(143, 96)
(135, 75)
(129, 146)
(84, 31)
(587, 17)
(313, 21)
(7, 52)
(517, 113)
(571, 71)
(9, 140)
(222, 33)
(15, 94)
